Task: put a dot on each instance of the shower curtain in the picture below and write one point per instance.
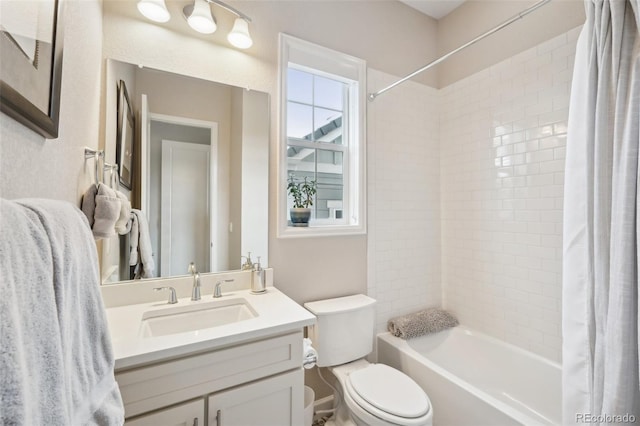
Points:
(601, 220)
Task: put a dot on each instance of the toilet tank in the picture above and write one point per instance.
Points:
(344, 329)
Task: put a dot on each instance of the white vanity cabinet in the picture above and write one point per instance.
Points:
(256, 383)
(268, 402)
(187, 414)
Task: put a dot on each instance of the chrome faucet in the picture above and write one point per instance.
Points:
(195, 291)
(172, 296)
(217, 291)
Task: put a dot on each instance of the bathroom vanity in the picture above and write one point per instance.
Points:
(231, 360)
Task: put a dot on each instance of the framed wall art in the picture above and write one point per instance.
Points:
(31, 63)
(125, 137)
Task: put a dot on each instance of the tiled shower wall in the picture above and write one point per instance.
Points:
(403, 198)
(502, 148)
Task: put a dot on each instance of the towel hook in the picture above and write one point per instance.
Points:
(95, 154)
(113, 173)
(95, 170)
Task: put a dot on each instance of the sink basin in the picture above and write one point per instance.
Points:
(194, 317)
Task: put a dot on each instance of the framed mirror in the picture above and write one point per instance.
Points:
(200, 170)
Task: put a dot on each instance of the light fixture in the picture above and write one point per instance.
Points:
(199, 17)
(239, 35)
(155, 10)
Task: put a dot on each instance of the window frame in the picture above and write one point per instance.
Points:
(324, 62)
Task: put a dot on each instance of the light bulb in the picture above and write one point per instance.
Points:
(239, 35)
(199, 17)
(155, 10)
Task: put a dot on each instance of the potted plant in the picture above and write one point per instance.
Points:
(302, 193)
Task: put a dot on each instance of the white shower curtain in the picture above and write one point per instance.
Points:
(601, 220)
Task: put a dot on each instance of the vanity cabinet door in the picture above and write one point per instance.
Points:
(276, 401)
(187, 414)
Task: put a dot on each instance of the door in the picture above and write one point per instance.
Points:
(145, 135)
(187, 414)
(185, 207)
(277, 401)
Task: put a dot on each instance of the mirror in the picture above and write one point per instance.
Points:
(200, 171)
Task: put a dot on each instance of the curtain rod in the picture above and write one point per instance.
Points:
(373, 96)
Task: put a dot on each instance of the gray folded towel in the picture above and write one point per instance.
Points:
(123, 224)
(89, 203)
(107, 212)
(422, 322)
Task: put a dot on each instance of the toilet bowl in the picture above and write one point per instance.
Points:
(379, 395)
(367, 394)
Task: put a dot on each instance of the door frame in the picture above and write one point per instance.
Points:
(213, 178)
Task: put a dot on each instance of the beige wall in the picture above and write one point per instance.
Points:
(475, 17)
(31, 166)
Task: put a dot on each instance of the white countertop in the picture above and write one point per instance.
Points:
(277, 314)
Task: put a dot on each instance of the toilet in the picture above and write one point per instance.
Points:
(369, 394)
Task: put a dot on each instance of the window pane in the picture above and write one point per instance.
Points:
(330, 196)
(301, 163)
(299, 119)
(327, 125)
(299, 86)
(328, 93)
(301, 160)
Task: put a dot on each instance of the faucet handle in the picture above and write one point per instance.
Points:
(172, 296)
(217, 290)
(192, 268)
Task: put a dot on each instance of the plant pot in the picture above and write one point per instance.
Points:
(300, 217)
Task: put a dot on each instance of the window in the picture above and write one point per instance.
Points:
(322, 136)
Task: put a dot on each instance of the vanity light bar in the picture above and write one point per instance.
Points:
(230, 9)
(200, 18)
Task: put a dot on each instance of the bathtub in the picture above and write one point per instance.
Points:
(473, 379)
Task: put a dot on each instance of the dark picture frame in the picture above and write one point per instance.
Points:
(125, 137)
(35, 105)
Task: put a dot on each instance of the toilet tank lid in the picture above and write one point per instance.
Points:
(339, 304)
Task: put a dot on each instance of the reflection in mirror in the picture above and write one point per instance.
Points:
(200, 171)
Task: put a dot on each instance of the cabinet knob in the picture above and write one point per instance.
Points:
(219, 418)
(195, 421)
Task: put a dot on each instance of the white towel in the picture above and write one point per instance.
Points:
(107, 212)
(141, 254)
(56, 360)
(88, 205)
(123, 224)
(103, 207)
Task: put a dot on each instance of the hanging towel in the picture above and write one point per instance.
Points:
(141, 253)
(88, 205)
(107, 212)
(102, 207)
(56, 359)
(123, 224)
(422, 322)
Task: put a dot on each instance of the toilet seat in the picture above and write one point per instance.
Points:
(388, 394)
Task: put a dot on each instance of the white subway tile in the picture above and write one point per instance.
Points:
(467, 196)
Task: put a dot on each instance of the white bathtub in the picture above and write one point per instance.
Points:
(473, 379)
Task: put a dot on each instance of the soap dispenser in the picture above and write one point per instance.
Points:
(258, 278)
(248, 264)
